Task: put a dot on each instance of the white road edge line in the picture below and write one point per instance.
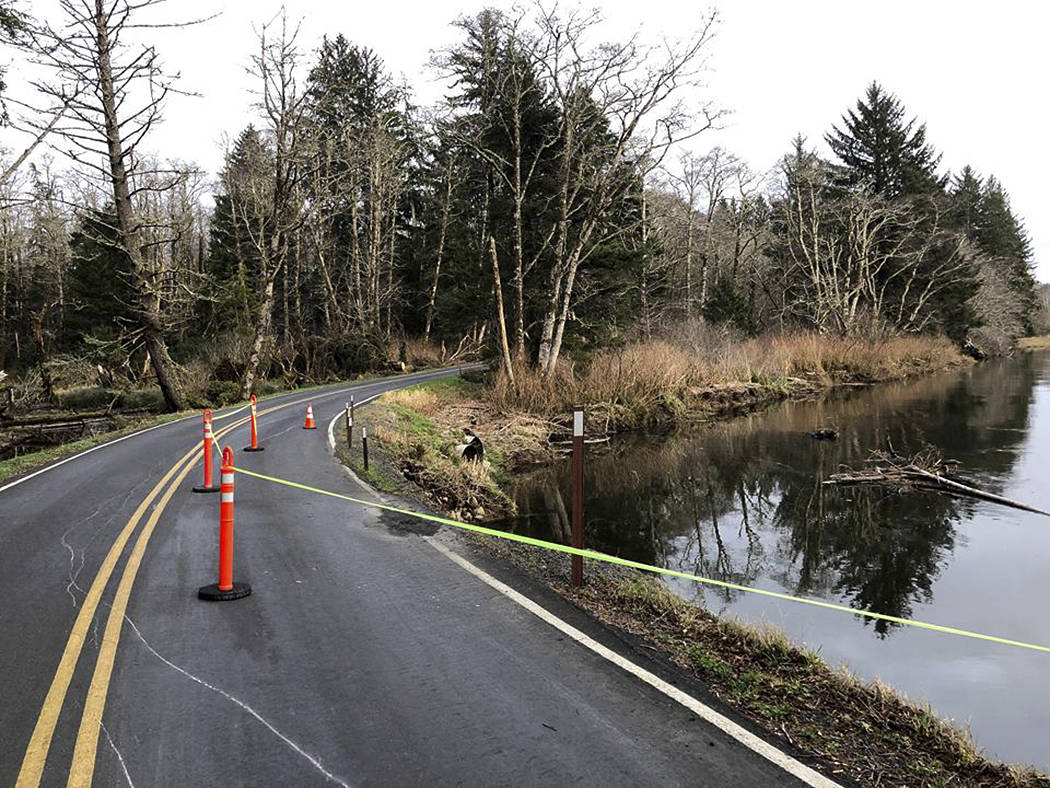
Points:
(745, 737)
(52, 466)
(754, 743)
(77, 456)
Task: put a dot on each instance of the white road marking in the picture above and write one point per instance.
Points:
(745, 737)
(342, 414)
(751, 741)
(355, 386)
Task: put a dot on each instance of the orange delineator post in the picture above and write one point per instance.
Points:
(225, 589)
(207, 486)
(310, 425)
(255, 432)
(226, 526)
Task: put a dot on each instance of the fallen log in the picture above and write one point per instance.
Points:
(927, 471)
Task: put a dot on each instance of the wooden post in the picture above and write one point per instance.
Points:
(364, 446)
(577, 496)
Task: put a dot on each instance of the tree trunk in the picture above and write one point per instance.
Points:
(264, 315)
(445, 212)
(148, 307)
(501, 315)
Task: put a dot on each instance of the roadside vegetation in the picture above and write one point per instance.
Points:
(696, 371)
(862, 732)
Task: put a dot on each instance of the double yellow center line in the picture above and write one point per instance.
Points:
(83, 764)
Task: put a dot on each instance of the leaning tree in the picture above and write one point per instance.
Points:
(113, 89)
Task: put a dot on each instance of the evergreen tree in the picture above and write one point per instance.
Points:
(725, 304)
(1002, 237)
(881, 151)
(233, 259)
(101, 296)
(966, 193)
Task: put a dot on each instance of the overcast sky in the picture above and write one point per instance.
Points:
(973, 71)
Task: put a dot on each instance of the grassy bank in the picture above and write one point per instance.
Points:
(862, 732)
(705, 374)
(866, 732)
(1034, 343)
(657, 383)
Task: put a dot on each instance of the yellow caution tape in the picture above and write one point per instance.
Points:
(227, 415)
(611, 559)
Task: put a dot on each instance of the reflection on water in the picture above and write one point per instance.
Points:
(743, 501)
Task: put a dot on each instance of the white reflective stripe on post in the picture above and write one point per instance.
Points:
(577, 423)
(227, 478)
(226, 497)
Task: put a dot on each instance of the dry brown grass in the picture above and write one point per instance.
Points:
(1034, 343)
(664, 373)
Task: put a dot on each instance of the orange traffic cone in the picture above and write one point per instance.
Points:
(309, 418)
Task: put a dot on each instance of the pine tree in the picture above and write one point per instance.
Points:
(966, 192)
(1002, 237)
(101, 296)
(233, 259)
(881, 151)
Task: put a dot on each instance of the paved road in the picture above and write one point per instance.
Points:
(363, 657)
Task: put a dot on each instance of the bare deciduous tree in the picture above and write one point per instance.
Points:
(113, 93)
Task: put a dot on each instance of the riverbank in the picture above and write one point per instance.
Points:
(862, 732)
(700, 373)
(655, 385)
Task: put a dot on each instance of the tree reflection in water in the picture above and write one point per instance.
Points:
(744, 501)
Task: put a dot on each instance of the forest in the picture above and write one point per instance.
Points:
(553, 204)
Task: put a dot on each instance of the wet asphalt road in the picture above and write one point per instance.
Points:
(363, 657)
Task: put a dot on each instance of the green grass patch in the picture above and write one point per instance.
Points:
(16, 466)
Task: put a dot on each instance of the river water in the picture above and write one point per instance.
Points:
(743, 501)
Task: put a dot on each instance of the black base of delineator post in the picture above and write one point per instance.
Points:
(203, 489)
(249, 448)
(309, 428)
(213, 594)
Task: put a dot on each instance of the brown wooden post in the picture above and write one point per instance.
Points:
(577, 496)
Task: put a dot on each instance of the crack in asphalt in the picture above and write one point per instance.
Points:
(74, 573)
(123, 763)
(313, 760)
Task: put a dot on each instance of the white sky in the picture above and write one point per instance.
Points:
(974, 71)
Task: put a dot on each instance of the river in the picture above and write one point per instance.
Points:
(743, 501)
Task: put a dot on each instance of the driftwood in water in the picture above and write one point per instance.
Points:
(927, 471)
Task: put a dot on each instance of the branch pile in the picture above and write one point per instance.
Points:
(926, 471)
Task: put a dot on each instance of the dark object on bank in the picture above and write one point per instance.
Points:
(974, 352)
(473, 449)
(927, 471)
(824, 434)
